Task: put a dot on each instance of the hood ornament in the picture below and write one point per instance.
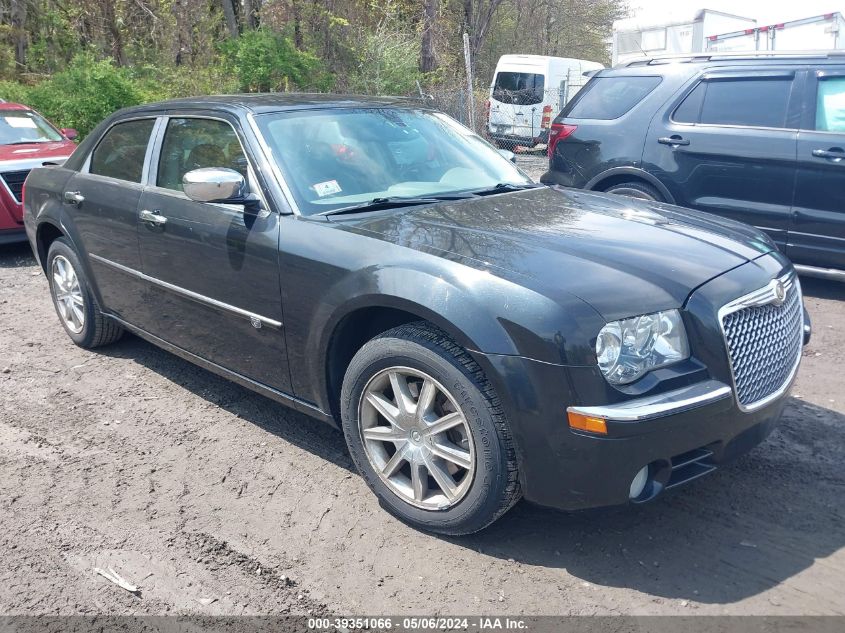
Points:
(779, 291)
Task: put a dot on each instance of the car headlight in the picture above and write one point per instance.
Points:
(630, 348)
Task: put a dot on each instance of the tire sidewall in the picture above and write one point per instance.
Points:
(60, 246)
(490, 477)
(643, 188)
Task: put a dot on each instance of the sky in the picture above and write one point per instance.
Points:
(765, 11)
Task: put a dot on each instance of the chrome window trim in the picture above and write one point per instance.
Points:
(190, 294)
(86, 166)
(760, 297)
(659, 405)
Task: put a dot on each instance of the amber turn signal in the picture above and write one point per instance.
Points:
(587, 423)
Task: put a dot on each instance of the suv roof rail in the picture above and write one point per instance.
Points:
(706, 57)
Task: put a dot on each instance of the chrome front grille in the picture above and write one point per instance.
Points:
(764, 334)
(14, 181)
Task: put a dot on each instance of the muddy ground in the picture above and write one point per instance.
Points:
(216, 500)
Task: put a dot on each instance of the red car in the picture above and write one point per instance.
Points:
(27, 140)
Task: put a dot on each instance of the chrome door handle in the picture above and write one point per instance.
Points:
(673, 140)
(152, 217)
(74, 197)
(834, 154)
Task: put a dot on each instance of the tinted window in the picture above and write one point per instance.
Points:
(519, 88)
(690, 109)
(748, 102)
(24, 126)
(830, 105)
(120, 153)
(195, 143)
(611, 97)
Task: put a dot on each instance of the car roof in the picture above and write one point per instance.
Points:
(6, 105)
(272, 102)
(748, 58)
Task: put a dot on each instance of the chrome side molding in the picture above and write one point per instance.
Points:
(190, 294)
(833, 274)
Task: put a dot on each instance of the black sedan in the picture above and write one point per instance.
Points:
(376, 265)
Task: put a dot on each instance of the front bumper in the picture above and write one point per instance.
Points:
(681, 421)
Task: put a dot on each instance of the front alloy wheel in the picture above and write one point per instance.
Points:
(416, 438)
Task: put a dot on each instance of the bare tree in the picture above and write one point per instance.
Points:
(428, 58)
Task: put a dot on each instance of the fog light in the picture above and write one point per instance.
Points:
(639, 482)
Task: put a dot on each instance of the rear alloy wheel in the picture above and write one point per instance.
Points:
(77, 307)
(639, 190)
(427, 431)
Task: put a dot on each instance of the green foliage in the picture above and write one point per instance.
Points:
(265, 61)
(85, 93)
(15, 92)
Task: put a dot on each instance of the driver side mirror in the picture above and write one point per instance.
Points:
(215, 184)
(69, 133)
(508, 155)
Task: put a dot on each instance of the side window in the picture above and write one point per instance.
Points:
(690, 109)
(607, 98)
(120, 153)
(747, 102)
(830, 105)
(194, 143)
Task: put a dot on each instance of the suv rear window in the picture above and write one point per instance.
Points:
(608, 98)
(519, 88)
(747, 102)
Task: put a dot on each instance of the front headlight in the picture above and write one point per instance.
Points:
(630, 348)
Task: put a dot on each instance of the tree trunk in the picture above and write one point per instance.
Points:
(231, 17)
(18, 19)
(296, 10)
(428, 59)
(250, 17)
(110, 19)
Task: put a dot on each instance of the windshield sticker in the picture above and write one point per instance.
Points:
(19, 121)
(326, 188)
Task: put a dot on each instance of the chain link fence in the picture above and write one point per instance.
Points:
(513, 120)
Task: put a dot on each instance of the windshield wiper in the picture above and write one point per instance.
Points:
(28, 142)
(395, 202)
(504, 187)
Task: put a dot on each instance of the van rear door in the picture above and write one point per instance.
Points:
(516, 106)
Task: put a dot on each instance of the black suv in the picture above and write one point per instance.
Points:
(756, 138)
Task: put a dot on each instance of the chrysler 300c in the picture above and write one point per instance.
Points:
(374, 264)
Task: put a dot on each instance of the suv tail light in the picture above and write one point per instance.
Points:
(558, 132)
(547, 118)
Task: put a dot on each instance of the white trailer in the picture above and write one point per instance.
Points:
(821, 32)
(672, 33)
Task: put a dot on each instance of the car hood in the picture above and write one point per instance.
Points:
(622, 256)
(30, 151)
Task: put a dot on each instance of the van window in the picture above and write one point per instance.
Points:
(519, 88)
(830, 105)
(748, 102)
(608, 98)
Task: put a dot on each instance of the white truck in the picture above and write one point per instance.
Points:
(527, 92)
(821, 32)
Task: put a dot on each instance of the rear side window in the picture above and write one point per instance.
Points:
(120, 153)
(746, 102)
(608, 98)
(830, 105)
(519, 88)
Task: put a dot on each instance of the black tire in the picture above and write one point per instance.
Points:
(636, 189)
(494, 488)
(96, 329)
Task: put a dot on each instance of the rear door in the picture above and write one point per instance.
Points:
(213, 268)
(817, 232)
(103, 200)
(516, 108)
(728, 146)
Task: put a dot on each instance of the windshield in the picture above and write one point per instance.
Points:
(25, 126)
(336, 158)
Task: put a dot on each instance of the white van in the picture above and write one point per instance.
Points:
(526, 94)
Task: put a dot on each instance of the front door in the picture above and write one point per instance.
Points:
(213, 268)
(817, 233)
(103, 200)
(729, 146)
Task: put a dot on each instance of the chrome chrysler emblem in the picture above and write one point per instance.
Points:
(780, 292)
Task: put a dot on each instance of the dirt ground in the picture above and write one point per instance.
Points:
(215, 500)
